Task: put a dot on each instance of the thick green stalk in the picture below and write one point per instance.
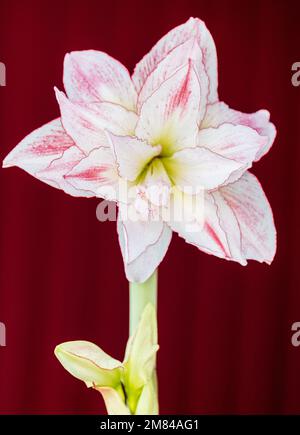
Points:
(140, 296)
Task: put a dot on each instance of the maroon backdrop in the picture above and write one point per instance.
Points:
(224, 329)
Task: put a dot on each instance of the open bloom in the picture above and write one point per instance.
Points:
(127, 387)
(159, 131)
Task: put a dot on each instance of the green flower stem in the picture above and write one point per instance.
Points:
(140, 294)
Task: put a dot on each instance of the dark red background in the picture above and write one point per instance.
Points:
(224, 330)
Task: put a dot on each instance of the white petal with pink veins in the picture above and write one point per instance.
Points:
(86, 123)
(48, 153)
(152, 250)
(192, 28)
(169, 116)
(55, 173)
(96, 173)
(131, 155)
(236, 142)
(37, 150)
(200, 168)
(220, 113)
(91, 76)
(176, 59)
(211, 238)
(253, 213)
(238, 223)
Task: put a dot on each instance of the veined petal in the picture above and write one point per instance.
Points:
(212, 238)
(132, 155)
(238, 223)
(37, 150)
(113, 401)
(86, 123)
(192, 28)
(220, 113)
(252, 211)
(135, 245)
(47, 153)
(186, 209)
(180, 56)
(96, 173)
(199, 168)
(56, 173)
(169, 116)
(89, 363)
(142, 267)
(91, 76)
(236, 142)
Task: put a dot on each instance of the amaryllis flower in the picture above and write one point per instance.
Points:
(127, 387)
(159, 131)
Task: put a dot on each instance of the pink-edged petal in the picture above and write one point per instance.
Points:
(192, 28)
(220, 113)
(211, 238)
(169, 116)
(238, 223)
(48, 153)
(142, 255)
(89, 363)
(55, 173)
(177, 58)
(135, 245)
(236, 142)
(91, 76)
(253, 213)
(86, 123)
(132, 155)
(95, 173)
(37, 150)
(200, 168)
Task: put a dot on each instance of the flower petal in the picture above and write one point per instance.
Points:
(238, 223)
(169, 116)
(95, 173)
(199, 168)
(211, 238)
(91, 76)
(220, 113)
(47, 153)
(132, 155)
(89, 363)
(177, 58)
(186, 208)
(236, 142)
(113, 402)
(135, 245)
(152, 250)
(56, 173)
(86, 123)
(253, 213)
(192, 28)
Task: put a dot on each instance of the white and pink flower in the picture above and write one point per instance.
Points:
(161, 130)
